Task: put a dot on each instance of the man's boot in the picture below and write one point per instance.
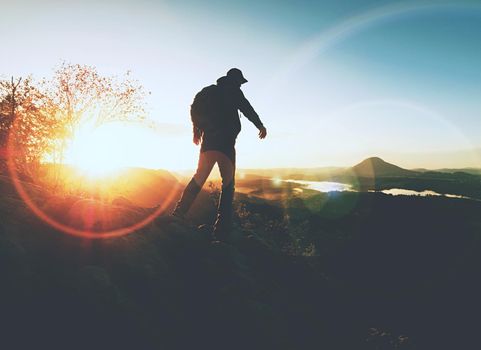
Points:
(188, 196)
(223, 224)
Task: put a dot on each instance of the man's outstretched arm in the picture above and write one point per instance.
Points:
(246, 108)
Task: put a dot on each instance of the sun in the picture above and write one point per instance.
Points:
(97, 152)
(104, 150)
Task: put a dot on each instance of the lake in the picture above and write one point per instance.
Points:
(329, 186)
(323, 186)
(404, 192)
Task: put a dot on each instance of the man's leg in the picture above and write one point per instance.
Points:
(204, 167)
(223, 224)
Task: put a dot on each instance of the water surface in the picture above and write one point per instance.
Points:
(404, 192)
(323, 186)
(329, 186)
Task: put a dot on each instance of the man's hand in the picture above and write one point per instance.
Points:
(262, 133)
(197, 136)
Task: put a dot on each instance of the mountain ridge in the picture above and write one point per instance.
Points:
(375, 166)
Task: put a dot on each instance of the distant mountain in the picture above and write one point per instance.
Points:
(472, 171)
(291, 173)
(375, 167)
(368, 168)
(143, 187)
(147, 187)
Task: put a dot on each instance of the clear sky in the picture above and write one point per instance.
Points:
(333, 81)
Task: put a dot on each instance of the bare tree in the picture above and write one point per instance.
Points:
(81, 94)
(8, 106)
(44, 116)
(26, 119)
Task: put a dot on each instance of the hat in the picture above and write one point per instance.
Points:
(236, 74)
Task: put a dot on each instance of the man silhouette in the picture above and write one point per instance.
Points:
(217, 134)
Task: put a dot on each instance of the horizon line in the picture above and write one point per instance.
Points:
(278, 168)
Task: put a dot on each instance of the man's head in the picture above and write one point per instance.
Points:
(235, 75)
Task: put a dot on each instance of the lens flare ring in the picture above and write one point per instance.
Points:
(42, 215)
(320, 43)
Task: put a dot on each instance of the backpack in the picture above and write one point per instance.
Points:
(204, 111)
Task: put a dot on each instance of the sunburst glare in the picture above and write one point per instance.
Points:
(96, 152)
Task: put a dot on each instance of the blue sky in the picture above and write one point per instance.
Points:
(334, 81)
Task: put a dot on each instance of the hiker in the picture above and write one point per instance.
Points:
(216, 124)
